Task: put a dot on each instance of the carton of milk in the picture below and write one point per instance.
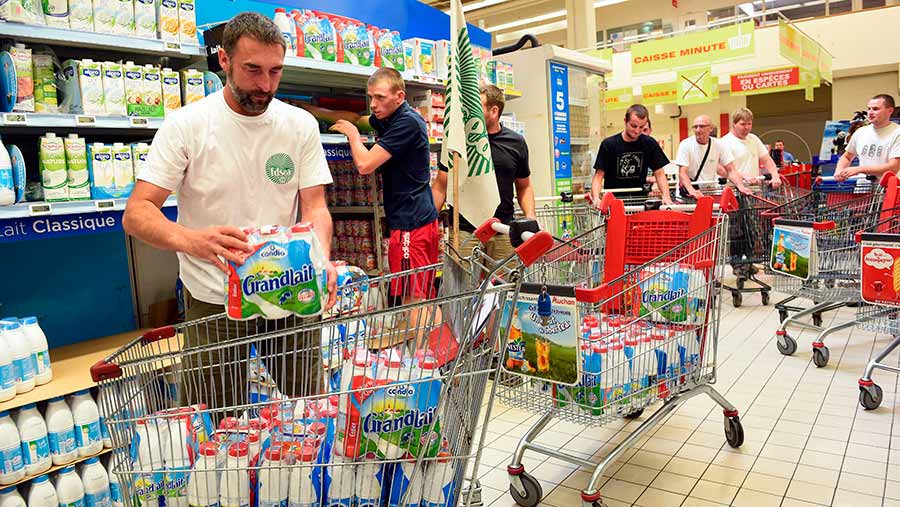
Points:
(114, 89)
(152, 96)
(168, 20)
(423, 57)
(171, 90)
(124, 17)
(77, 167)
(90, 79)
(139, 154)
(123, 167)
(81, 15)
(187, 21)
(193, 86)
(100, 164)
(442, 59)
(145, 19)
(105, 13)
(71, 90)
(134, 89)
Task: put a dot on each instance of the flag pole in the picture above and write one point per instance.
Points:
(455, 172)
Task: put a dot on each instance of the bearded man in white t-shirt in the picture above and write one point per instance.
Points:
(748, 151)
(877, 144)
(699, 158)
(237, 158)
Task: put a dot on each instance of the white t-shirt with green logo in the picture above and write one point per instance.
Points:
(230, 169)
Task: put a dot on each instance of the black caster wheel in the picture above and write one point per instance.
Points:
(533, 491)
(817, 319)
(821, 356)
(736, 299)
(870, 397)
(789, 347)
(782, 315)
(765, 300)
(734, 431)
(635, 414)
(740, 283)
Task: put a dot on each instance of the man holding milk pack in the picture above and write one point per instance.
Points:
(237, 158)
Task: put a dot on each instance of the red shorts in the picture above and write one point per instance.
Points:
(413, 249)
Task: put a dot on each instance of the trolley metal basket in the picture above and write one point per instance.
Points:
(378, 406)
(834, 278)
(650, 315)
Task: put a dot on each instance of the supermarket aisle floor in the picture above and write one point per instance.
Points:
(808, 442)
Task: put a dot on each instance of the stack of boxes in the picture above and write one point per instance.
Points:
(431, 105)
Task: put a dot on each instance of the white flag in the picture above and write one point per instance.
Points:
(465, 131)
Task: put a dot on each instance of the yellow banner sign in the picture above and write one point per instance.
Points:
(697, 86)
(665, 93)
(710, 46)
(618, 98)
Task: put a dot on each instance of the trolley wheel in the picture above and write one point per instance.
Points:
(765, 299)
(821, 356)
(533, 491)
(870, 397)
(634, 415)
(782, 315)
(789, 347)
(736, 299)
(734, 431)
(817, 319)
(740, 282)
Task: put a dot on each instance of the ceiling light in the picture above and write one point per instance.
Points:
(546, 16)
(474, 6)
(746, 8)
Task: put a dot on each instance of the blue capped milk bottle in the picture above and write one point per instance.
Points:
(10, 497)
(20, 350)
(7, 370)
(95, 482)
(406, 484)
(12, 466)
(61, 431)
(341, 472)
(203, 484)
(35, 444)
(69, 488)
(87, 423)
(439, 483)
(39, 349)
(42, 493)
(369, 474)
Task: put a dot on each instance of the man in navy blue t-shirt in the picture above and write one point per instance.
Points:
(402, 154)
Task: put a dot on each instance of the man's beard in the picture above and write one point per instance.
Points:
(245, 98)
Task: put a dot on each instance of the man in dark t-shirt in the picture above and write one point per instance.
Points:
(510, 155)
(624, 159)
(401, 152)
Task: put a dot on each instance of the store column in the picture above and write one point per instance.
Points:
(581, 19)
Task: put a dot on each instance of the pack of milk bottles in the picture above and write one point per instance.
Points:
(30, 443)
(24, 356)
(87, 485)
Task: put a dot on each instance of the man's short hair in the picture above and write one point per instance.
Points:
(638, 110)
(887, 99)
(741, 114)
(253, 25)
(493, 96)
(393, 78)
(779, 141)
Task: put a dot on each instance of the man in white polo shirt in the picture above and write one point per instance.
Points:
(877, 145)
(699, 158)
(748, 151)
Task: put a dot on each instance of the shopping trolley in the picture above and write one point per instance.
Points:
(649, 330)
(833, 279)
(377, 406)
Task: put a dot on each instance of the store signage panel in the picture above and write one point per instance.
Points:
(665, 93)
(711, 46)
(697, 86)
(766, 81)
(562, 150)
(61, 226)
(618, 98)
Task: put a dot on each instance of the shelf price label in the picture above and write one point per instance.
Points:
(105, 205)
(139, 122)
(82, 120)
(40, 209)
(173, 46)
(15, 118)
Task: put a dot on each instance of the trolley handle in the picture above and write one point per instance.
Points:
(817, 226)
(530, 242)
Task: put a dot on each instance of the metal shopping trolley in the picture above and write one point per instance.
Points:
(648, 331)
(833, 276)
(377, 406)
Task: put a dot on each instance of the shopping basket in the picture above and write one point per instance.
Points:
(648, 333)
(840, 210)
(378, 406)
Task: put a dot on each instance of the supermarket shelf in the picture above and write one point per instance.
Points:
(46, 120)
(579, 141)
(352, 210)
(515, 94)
(71, 366)
(31, 209)
(120, 43)
(313, 72)
(55, 468)
(342, 139)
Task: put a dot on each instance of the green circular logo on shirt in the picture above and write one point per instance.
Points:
(280, 168)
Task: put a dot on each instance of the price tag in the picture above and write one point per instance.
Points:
(85, 120)
(139, 122)
(15, 118)
(40, 209)
(104, 205)
(173, 46)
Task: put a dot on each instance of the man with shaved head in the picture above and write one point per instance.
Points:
(699, 158)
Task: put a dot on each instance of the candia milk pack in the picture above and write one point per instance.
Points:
(671, 293)
(283, 275)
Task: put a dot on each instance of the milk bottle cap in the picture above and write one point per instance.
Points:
(38, 480)
(273, 454)
(208, 449)
(68, 469)
(91, 461)
(9, 325)
(253, 437)
(239, 450)
(29, 321)
(7, 490)
(28, 406)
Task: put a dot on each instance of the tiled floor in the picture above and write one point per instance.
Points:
(808, 442)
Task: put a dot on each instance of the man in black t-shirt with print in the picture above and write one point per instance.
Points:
(624, 159)
(510, 155)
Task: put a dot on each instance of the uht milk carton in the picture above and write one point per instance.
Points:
(168, 20)
(319, 36)
(76, 162)
(52, 162)
(152, 95)
(193, 87)
(171, 90)
(134, 89)
(90, 79)
(114, 89)
(100, 163)
(356, 44)
(145, 18)
(124, 24)
(282, 276)
(671, 294)
(389, 49)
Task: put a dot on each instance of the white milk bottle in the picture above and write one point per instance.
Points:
(149, 462)
(203, 484)
(273, 480)
(115, 488)
(406, 484)
(102, 400)
(69, 488)
(253, 445)
(288, 31)
(438, 481)
(7, 370)
(95, 481)
(360, 367)
(12, 466)
(20, 350)
(61, 431)
(10, 497)
(87, 423)
(340, 491)
(42, 493)
(235, 487)
(368, 486)
(35, 445)
(301, 492)
(39, 348)
(177, 460)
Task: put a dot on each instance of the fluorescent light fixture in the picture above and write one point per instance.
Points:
(746, 8)
(474, 6)
(535, 30)
(546, 17)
